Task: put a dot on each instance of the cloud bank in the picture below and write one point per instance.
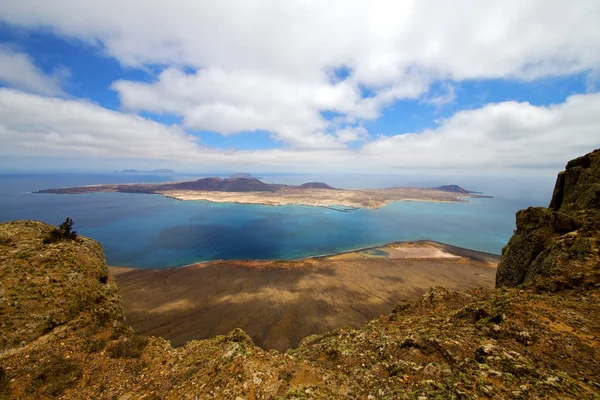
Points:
(281, 67)
(500, 135)
(18, 70)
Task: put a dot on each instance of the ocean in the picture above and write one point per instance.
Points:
(153, 232)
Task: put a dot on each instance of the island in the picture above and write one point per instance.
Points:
(253, 191)
(154, 171)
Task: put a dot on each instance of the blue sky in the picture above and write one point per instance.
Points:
(301, 87)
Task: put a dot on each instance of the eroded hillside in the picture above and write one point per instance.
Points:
(63, 335)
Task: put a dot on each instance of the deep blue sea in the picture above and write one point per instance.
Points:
(151, 231)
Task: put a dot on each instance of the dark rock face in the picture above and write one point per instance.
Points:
(557, 247)
(578, 186)
(315, 185)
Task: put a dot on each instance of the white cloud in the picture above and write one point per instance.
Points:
(446, 95)
(42, 126)
(233, 102)
(496, 136)
(352, 134)
(17, 70)
(380, 40)
(507, 134)
(267, 64)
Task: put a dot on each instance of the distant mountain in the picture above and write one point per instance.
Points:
(154, 171)
(223, 185)
(453, 189)
(243, 175)
(314, 185)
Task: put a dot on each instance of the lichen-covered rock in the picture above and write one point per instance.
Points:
(43, 286)
(578, 186)
(559, 243)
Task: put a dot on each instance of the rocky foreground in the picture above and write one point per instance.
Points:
(537, 335)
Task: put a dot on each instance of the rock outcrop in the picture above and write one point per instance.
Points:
(558, 246)
(45, 286)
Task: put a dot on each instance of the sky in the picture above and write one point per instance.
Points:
(303, 86)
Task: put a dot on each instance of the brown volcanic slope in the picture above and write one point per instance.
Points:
(314, 185)
(205, 184)
(278, 303)
(63, 335)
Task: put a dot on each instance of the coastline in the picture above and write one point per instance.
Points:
(280, 302)
(462, 251)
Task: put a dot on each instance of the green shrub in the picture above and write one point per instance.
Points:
(54, 376)
(130, 347)
(4, 385)
(95, 345)
(63, 232)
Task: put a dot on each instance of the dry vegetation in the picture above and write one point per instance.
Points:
(350, 198)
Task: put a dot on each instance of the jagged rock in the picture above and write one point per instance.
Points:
(578, 186)
(560, 240)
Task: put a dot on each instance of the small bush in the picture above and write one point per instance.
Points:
(54, 376)
(4, 385)
(95, 345)
(131, 347)
(63, 232)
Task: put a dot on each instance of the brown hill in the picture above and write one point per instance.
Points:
(453, 189)
(315, 185)
(538, 340)
(205, 184)
(222, 185)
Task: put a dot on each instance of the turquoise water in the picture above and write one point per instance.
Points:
(151, 231)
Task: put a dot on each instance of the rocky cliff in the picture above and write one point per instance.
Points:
(63, 335)
(557, 247)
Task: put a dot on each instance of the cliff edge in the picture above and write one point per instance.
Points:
(558, 247)
(46, 286)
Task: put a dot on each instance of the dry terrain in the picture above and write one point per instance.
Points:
(350, 198)
(278, 303)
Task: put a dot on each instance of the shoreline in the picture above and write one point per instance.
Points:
(453, 249)
(351, 207)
